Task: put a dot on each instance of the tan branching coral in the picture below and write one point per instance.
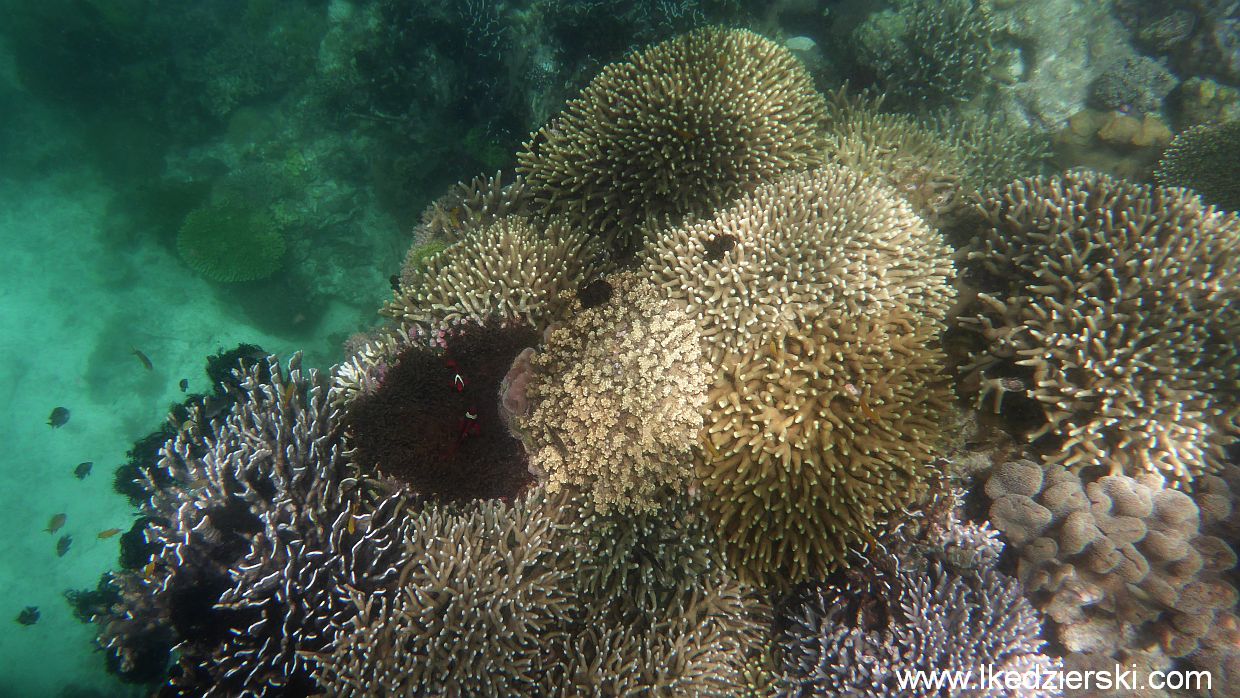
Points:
(1114, 563)
(509, 269)
(927, 168)
(487, 586)
(616, 396)
(467, 206)
(1116, 305)
(812, 437)
(820, 299)
(828, 241)
(705, 644)
(676, 130)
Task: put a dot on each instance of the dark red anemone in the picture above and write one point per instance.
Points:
(435, 421)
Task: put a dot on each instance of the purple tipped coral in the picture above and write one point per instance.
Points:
(256, 531)
(864, 636)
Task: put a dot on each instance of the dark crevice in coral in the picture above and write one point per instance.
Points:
(435, 422)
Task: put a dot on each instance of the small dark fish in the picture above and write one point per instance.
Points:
(59, 418)
(62, 545)
(184, 384)
(394, 279)
(146, 360)
(103, 535)
(83, 469)
(29, 615)
(55, 523)
(719, 246)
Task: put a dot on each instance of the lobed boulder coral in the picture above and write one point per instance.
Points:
(674, 131)
(1119, 565)
(1113, 307)
(819, 299)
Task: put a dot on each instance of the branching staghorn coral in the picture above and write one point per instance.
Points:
(467, 206)
(857, 638)
(507, 270)
(925, 167)
(1118, 565)
(1114, 306)
(674, 131)
(615, 398)
(254, 528)
(930, 51)
(830, 240)
(499, 600)
(486, 588)
(820, 299)
(1203, 158)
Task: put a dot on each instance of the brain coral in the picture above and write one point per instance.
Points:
(229, 243)
(678, 129)
(1118, 565)
(616, 396)
(1115, 307)
(507, 270)
(819, 299)
(1204, 158)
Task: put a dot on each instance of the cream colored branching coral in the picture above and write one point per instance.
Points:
(509, 269)
(827, 241)
(467, 206)
(927, 168)
(820, 299)
(677, 129)
(1117, 306)
(1119, 565)
(616, 398)
(487, 586)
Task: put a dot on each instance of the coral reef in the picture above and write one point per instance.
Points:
(507, 270)
(1135, 84)
(460, 448)
(616, 396)
(1204, 158)
(819, 299)
(1112, 306)
(676, 130)
(926, 53)
(856, 637)
(1118, 564)
(229, 243)
(254, 529)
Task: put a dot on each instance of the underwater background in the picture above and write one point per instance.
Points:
(238, 178)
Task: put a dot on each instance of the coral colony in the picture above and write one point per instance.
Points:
(669, 411)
